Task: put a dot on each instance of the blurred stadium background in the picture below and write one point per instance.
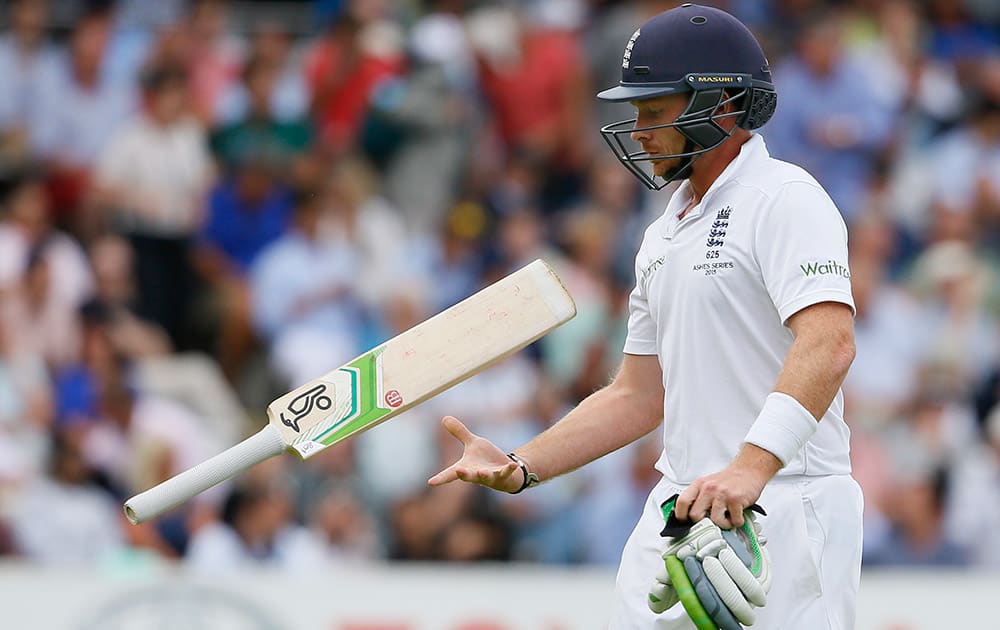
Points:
(206, 202)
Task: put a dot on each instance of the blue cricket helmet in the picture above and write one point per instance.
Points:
(696, 50)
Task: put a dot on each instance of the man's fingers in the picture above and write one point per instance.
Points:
(445, 476)
(506, 471)
(718, 512)
(457, 429)
(735, 513)
(682, 507)
(701, 506)
(491, 477)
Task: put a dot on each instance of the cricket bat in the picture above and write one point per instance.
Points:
(408, 369)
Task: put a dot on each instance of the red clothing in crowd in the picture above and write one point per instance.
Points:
(534, 100)
(341, 109)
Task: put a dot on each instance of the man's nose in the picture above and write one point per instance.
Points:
(639, 135)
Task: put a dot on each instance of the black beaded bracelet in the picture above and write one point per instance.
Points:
(530, 478)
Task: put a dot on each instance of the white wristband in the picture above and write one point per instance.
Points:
(782, 427)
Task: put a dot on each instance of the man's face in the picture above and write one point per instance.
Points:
(28, 19)
(666, 141)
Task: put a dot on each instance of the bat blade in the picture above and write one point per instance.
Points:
(403, 372)
(423, 361)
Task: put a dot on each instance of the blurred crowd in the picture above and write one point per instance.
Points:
(205, 203)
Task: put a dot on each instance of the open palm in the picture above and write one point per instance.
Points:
(482, 462)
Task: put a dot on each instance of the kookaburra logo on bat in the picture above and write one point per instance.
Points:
(303, 404)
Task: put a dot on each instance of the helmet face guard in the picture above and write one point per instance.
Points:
(698, 123)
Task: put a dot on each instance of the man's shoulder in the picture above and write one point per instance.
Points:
(771, 176)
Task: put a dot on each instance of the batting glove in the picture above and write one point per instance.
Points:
(718, 575)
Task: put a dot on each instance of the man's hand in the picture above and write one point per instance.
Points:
(482, 462)
(724, 496)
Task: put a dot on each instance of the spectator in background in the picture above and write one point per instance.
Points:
(26, 409)
(974, 504)
(305, 297)
(214, 53)
(344, 66)
(134, 440)
(520, 237)
(287, 95)
(613, 192)
(43, 274)
(532, 75)
(190, 378)
(963, 335)
(615, 491)
(610, 24)
(64, 519)
(459, 525)
(345, 531)
(25, 226)
(955, 36)
(422, 126)
(827, 119)
(918, 536)
(114, 302)
(41, 323)
(151, 183)
(924, 91)
(30, 65)
(515, 184)
(937, 423)
(79, 114)
(260, 133)
(256, 530)
(247, 211)
(889, 329)
(964, 164)
(134, 29)
(453, 257)
(577, 354)
(360, 221)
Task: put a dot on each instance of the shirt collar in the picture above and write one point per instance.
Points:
(751, 150)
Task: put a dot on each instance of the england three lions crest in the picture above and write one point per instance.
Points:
(717, 233)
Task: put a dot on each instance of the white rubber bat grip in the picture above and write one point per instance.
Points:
(260, 446)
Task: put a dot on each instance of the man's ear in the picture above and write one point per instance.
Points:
(729, 107)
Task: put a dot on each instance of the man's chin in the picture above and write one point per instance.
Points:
(670, 172)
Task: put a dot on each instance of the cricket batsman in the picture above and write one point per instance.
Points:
(740, 333)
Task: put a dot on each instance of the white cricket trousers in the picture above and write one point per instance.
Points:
(813, 531)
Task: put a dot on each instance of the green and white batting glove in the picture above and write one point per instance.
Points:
(719, 576)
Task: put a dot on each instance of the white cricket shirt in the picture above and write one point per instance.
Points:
(713, 292)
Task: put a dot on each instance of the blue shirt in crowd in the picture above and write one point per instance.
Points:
(241, 231)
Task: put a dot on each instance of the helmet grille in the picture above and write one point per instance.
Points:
(762, 105)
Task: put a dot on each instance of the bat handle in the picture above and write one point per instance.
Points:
(260, 446)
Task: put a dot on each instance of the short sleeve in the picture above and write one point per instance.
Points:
(801, 246)
(641, 337)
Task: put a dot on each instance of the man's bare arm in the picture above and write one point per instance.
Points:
(610, 418)
(813, 371)
(820, 356)
(627, 409)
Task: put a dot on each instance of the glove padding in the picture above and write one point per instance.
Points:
(719, 576)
